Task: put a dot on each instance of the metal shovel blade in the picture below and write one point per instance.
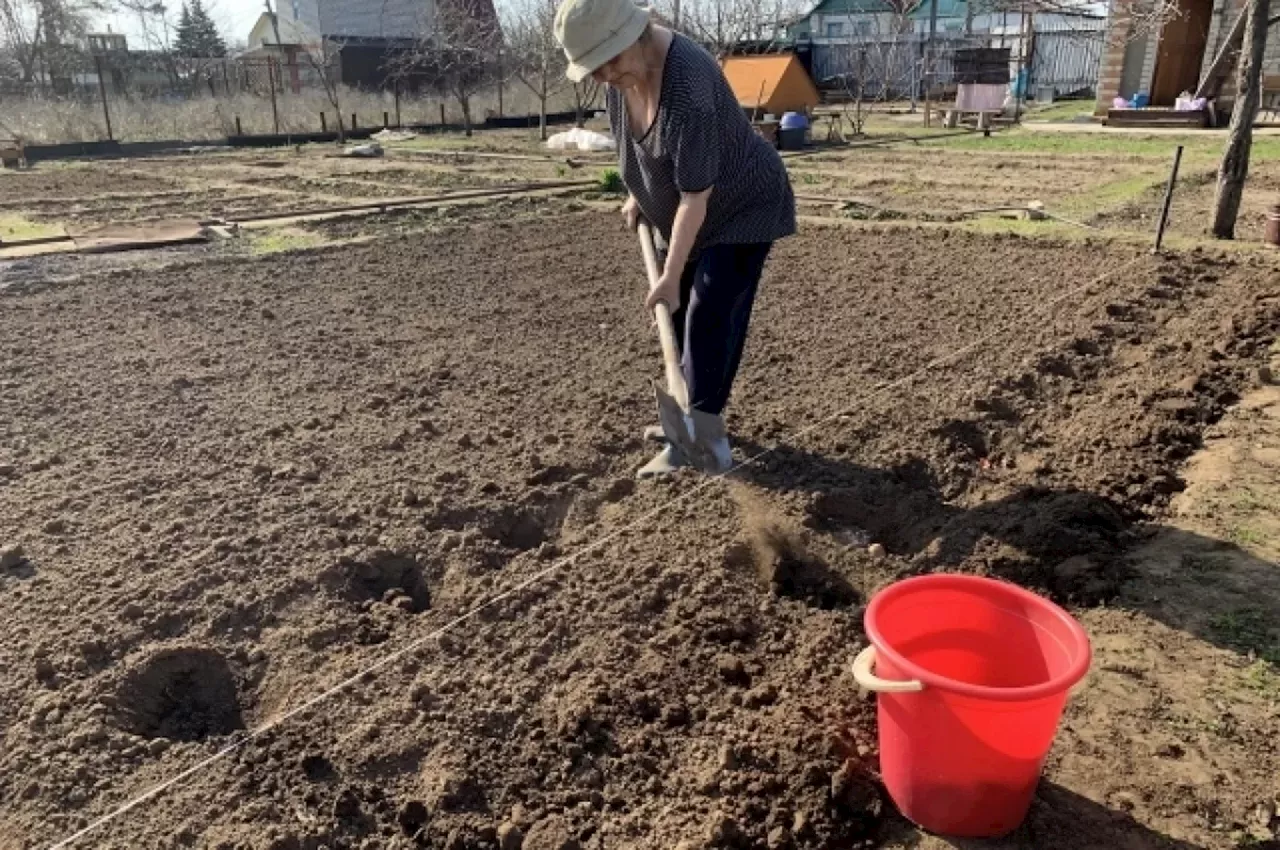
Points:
(677, 429)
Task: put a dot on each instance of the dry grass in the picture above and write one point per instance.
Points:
(137, 119)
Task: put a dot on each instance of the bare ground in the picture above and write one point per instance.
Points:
(238, 482)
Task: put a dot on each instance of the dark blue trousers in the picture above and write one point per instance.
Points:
(717, 291)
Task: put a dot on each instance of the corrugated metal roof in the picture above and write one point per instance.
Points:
(923, 9)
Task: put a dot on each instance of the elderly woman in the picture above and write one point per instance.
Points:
(715, 191)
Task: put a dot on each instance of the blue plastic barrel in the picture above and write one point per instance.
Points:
(794, 121)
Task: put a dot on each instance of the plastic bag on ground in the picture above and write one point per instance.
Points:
(365, 151)
(389, 135)
(580, 139)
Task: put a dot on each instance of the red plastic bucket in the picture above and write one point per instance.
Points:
(972, 675)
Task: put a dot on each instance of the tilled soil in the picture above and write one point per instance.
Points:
(53, 182)
(232, 486)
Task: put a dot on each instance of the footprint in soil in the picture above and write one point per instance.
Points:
(1025, 537)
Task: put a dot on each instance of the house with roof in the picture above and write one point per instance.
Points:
(838, 21)
(882, 47)
(1193, 52)
(362, 37)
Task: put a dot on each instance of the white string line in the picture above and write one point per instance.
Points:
(414, 645)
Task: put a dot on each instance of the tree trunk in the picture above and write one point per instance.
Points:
(465, 102)
(1235, 159)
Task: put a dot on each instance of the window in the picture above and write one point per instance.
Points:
(835, 30)
(863, 28)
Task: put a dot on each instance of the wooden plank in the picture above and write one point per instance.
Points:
(1225, 61)
(1157, 118)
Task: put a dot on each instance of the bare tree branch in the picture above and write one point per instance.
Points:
(458, 53)
(532, 54)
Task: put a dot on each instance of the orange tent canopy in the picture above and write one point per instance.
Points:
(776, 83)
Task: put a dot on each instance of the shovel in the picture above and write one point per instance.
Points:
(674, 414)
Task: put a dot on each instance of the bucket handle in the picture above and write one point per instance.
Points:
(870, 681)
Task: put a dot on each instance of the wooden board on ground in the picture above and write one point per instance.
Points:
(124, 237)
(1157, 118)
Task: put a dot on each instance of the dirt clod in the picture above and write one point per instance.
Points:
(11, 556)
(347, 804)
(510, 837)
(550, 833)
(723, 831)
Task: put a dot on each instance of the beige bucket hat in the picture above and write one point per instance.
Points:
(592, 32)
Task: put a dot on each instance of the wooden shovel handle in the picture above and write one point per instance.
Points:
(666, 328)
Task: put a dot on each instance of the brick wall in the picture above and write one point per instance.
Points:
(1111, 68)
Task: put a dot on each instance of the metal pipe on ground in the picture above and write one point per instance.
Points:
(369, 208)
(392, 203)
(514, 157)
(1034, 211)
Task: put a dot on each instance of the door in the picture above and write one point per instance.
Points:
(1180, 52)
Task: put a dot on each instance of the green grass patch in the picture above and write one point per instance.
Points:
(1246, 535)
(1246, 630)
(284, 239)
(1063, 110)
(1022, 227)
(1109, 196)
(1248, 501)
(14, 227)
(1016, 140)
(1263, 677)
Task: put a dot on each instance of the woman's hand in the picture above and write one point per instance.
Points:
(666, 289)
(631, 212)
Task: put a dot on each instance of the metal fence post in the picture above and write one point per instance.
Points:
(1168, 198)
(102, 90)
(271, 80)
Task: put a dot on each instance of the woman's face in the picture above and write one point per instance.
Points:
(623, 71)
